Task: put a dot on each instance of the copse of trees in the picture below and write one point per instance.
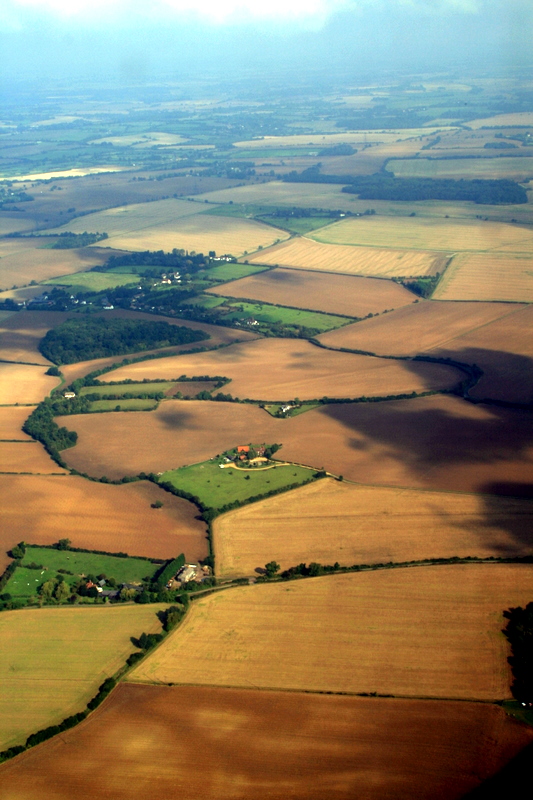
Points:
(86, 338)
(519, 632)
(69, 240)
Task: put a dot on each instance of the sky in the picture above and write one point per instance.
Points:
(148, 39)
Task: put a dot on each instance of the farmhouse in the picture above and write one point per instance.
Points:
(69, 395)
(187, 573)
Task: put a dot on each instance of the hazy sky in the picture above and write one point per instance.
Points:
(147, 38)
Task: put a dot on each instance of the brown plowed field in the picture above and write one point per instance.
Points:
(43, 509)
(495, 336)
(11, 422)
(25, 260)
(282, 369)
(491, 276)
(431, 442)
(20, 335)
(20, 383)
(305, 253)
(268, 744)
(416, 328)
(26, 457)
(329, 521)
(336, 294)
(417, 632)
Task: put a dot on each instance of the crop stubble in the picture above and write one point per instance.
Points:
(489, 276)
(419, 632)
(258, 744)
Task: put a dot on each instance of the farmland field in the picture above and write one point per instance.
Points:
(21, 333)
(350, 137)
(20, 383)
(11, 422)
(94, 281)
(425, 233)
(24, 260)
(126, 404)
(519, 118)
(311, 745)
(308, 254)
(274, 193)
(283, 369)
(494, 276)
(335, 294)
(167, 224)
(330, 522)
(43, 509)
(514, 168)
(215, 486)
(421, 632)
(53, 660)
(431, 442)
(26, 457)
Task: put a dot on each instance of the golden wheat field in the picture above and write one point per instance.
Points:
(424, 233)
(330, 521)
(26, 457)
(20, 383)
(255, 744)
(421, 326)
(283, 369)
(54, 659)
(11, 422)
(42, 509)
(308, 254)
(491, 276)
(336, 294)
(419, 632)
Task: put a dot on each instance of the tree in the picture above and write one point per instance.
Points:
(271, 568)
(62, 591)
(62, 544)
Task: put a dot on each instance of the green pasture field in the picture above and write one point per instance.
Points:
(273, 408)
(462, 167)
(262, 213)
(128, 388)
(124, 570)
(133, 404)
(94, 281)
(216, 486)
(263, 312)
(207, 301)
(232, 272)
(298, 224)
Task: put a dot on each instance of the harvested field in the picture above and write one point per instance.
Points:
(149, 139)
(505, 120)
(488, 277)
(282, 369)
(330, 522)
(25, 260)
(46, 672)
(425, 233)
(432, 442)
(20, 335)
(278, 193)
(335, 294)
(304, 253)
(421, 632)
(20, 383)
(518, 168)
(65, 173)
(40, 509)
(11, 222)
(11, 421)
(26, 457)
(413, 329)
(348, 137)
(301, 746)
(167, 224)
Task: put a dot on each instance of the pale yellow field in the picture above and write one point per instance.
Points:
(329, 521)
(329, 139)
(518, 168)
(150, 139)
(25, 260)
(304, 253)
(11, 421)
(428, 234)
(519, 118)
(20, 383)
(319, 195)
(53, 660)
(66, 173)
(488, 277)
(26, 457)
(282, 369)
(419, 632)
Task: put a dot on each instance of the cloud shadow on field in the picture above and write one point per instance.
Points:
(176, 418)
